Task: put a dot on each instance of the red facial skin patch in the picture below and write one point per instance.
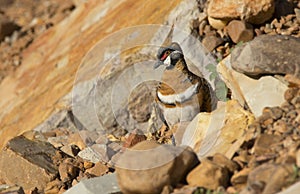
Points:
(164, 56)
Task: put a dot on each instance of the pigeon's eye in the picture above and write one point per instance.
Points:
(165, 55)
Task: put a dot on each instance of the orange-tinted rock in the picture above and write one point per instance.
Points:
(211, 42)
(254, 11)
(240, 177)
(87, 164)
(240, 31)
(264, 142)
(27, 163)
(134, 138)
(209, 175)
(53, 186)
(67, 171)
(98, 170)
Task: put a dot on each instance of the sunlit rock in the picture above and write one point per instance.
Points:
(256, 94)
(221, 131)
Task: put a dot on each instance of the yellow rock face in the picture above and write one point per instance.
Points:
(221, 131)
(50, 63)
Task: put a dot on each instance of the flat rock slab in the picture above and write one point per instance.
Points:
(27, 163)
(268, 55)
(104, 184)
(252, 93)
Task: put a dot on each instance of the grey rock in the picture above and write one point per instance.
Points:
(89, 137)
(59, 141)
(268, 55)
(102, 140)
(110, 106)
(63, 118)
(104, 184)
(99, 152)
(89, 154)
(186, 190)
(103, 152)
(114, 147)
(140, 100)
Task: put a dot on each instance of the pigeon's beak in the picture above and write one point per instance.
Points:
(157, 64)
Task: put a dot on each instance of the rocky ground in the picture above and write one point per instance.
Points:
(21, 23)
(221, 36)
(266, 158)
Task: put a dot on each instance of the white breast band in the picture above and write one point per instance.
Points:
(181, 97)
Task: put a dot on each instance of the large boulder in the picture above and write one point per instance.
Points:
(268, 55)
(148, 167)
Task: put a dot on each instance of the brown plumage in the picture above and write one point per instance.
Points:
(181, 94)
